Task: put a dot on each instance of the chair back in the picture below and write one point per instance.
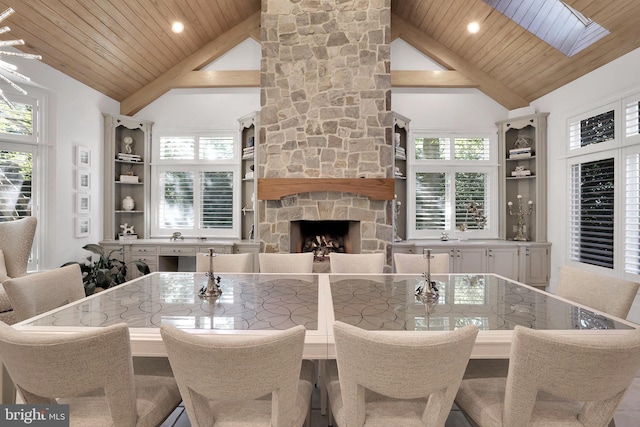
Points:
(610, 295)
(357, 263)
(401, 367)
(44, 368)
(286, 263)
(37, 293)
(225, 263)
(225, 368)
(16, 239)
(597, 371)
(417, 264)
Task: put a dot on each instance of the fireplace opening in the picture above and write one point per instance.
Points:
(325, 237)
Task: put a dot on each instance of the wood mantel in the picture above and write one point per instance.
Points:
(374, 188)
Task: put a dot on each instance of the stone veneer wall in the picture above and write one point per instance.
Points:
(326, 93)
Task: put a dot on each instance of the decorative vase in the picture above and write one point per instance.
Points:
(128, 204)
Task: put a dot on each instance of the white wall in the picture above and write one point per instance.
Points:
(74, 118)
(607, 83)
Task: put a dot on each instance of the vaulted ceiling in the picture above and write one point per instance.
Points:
(125, 49)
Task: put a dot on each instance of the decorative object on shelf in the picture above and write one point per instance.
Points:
(131, 158)
(251, 233)
(129, 179)
(250, 141)
(444, 236)
(396, 138)
(398, 172)
(104, 271)
(212, 289)
(520, 153)
(521, 234)
(128, 142)
(128, 233)
(396, 215)
(10, 69)
(175, 236)
(520, 171)
(128, 204)
(523, 142)
(429, 291)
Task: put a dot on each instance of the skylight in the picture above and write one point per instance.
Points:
(556, 23)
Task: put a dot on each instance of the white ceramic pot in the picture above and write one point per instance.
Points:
(128, 204)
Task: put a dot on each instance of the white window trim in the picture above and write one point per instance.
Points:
(490, 167)
(223, 165)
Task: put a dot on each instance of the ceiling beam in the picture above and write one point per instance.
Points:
(203, 79)
(203, 56)
(434, 50)
(436, 78)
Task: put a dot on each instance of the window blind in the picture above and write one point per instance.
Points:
(591, 220)
(177, 148)
(217, 199)
(15, 184)
(632, 119)
(632, 214)
(433, 148)
(216, 148)
(471, 188)
(592, 130)
(431, 201)
(471, 148)
(176, 204)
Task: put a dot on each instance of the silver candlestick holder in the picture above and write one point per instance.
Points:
(428, 292)
(212, 289)
(521, 234)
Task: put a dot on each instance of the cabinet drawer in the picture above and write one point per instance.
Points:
(147, 259)
(220, 249)
(188, 251)
(143, 250)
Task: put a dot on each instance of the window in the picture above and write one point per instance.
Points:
(454, 181)
(20, 167)
(604, 188)
(197, 178)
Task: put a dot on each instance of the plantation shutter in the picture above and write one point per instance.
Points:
(176, 202)
(471, 189)
(632, 214)
(591, 220)
(15, 184)
(431, 201)
(217, 199)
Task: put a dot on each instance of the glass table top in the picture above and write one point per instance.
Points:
(248, 302)
(388, 302)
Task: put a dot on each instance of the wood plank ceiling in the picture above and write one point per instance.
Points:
(125, 49)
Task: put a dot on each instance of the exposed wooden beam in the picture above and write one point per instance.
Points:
(208, 53)
(203, 79)
(439, 53)
(404, 78)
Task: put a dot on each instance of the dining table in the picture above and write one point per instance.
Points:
(260, 304)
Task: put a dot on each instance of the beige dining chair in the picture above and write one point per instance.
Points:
(286, 262)
(225, 263)
(386, 379)
(39, 292)
(610, 295)
(555, 380)
(248, 381)
(92, 372)
(16, 239)
(357, 263)
(417, 264)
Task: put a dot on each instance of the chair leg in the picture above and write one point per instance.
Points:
(323, 389)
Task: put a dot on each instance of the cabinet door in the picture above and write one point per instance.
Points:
(503, 261)
(536, 266)
(470, 260)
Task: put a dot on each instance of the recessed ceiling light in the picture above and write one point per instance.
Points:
(473, 27)
(177, 27)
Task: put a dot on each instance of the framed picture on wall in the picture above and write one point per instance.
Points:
(83, 203)
(83, 156)
(83, 227)
(83, 179)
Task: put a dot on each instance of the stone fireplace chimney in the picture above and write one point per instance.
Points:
(326, 93)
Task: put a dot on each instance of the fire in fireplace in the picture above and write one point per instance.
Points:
(324, 237)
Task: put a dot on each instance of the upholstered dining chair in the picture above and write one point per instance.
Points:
(225, 263)
(417, 264)
(248, 381)
(286, 262)
(610, 295)
(357, 263)
(90, 371)
(16, 239)
(39, 292)
(553, 380)
(386, 379)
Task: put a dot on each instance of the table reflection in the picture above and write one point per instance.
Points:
(388, 302)
(248, 302)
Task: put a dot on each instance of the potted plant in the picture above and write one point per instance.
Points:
(104, 270)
